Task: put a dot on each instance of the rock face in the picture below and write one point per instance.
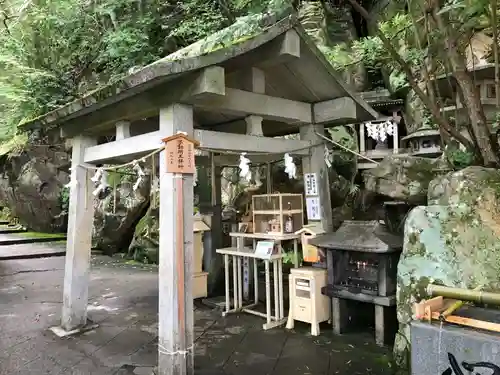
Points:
(404, 177)
(145, 243)
(32, 186)
(453, 244)
(465, 186)
(116, 216)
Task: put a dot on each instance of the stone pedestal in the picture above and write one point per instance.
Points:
(442, 350)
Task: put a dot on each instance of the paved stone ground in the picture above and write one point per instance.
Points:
(124, 300)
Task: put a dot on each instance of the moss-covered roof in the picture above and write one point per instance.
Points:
(246, 34)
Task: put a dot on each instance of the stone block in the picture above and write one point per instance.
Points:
(451, 350)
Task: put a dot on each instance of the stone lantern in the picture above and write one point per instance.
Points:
(424, 143)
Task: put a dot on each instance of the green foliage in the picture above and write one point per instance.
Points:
(59, 50)
(459, 159)
(56, 51)
(64, 200)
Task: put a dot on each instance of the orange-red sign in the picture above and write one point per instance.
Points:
(179, 150)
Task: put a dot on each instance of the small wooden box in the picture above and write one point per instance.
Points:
(307, 304)
(277, 213)
(199, 227)
(200, 285)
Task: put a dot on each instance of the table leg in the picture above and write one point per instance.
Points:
(235, 283)
(246, 278)
(280, 286)
(226, 276)
(240, 284)
(268, 293)
(296, 253)
(276, 292)
(255, 281)
(290, 323)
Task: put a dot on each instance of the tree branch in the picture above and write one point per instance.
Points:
(433, 107)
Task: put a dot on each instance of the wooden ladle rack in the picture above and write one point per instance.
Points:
(442, 309)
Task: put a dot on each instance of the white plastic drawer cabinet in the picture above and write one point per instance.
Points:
(307, 304)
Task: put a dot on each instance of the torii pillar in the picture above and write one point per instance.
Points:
(176, 320)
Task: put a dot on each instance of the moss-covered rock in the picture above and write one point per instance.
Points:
(404, 177)
(32, 179)
(146, 239)
(468, 186)
(116, 216)
(454, 245)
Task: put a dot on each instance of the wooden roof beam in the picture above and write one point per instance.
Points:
(243, 103)
(340, 109)
(138, 146)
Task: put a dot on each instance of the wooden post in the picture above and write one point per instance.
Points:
(122, 130)
(176, 322)
(315, 165)
(395, 137)
(80, 220)
(211, 260)
(362, 141)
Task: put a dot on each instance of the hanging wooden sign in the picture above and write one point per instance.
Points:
(179, 152)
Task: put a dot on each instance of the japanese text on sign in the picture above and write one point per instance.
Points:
(311, 184)
(180, 155)
(313, 208)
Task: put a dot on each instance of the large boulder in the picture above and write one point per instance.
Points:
(466, 186)
(455, 245)
(403, 177)
(117, 215)
(32, 183)
(145, 242)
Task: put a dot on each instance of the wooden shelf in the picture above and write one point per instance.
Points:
(246, 252)
(277, 212)
(267, 236)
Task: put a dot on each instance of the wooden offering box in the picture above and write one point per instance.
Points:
(277, 213)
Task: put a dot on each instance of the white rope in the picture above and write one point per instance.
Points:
(163, 350)
(346, 149)
(141, 174)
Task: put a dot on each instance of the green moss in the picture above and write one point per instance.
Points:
(15, 145)
(42, 235)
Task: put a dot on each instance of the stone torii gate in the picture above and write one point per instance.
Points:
(234, 98)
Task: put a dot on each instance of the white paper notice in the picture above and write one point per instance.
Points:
(264, 249)
(313, 208)
(311, 184)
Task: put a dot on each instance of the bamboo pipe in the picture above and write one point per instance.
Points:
(476, 296)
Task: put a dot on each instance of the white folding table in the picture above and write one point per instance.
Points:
(238, 254)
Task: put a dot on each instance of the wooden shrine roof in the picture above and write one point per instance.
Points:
(309, 78)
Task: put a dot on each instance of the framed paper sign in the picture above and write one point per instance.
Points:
(264, 249)
(313, 208)
(311, 184)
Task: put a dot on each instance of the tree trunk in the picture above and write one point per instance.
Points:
(471, 98)
(494, 25)
(432, 106)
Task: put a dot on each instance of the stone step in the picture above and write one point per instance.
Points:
(8, 229)
(33, 250)
(18, 238)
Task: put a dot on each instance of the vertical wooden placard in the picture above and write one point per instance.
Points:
(179, 151)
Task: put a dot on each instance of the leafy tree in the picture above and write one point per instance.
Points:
(422, 40)
(52, 52)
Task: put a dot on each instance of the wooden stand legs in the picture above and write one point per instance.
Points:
(340, 315)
